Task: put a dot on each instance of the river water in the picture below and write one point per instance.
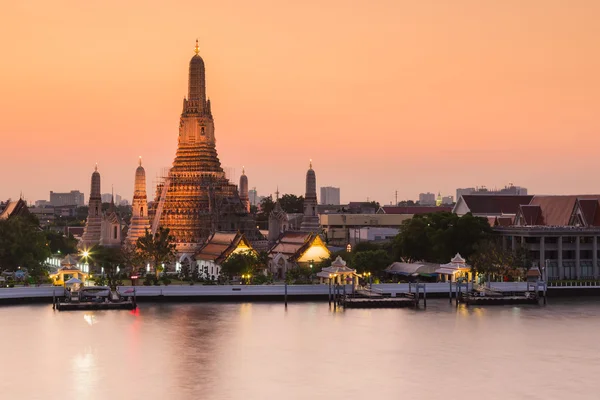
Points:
(262, 351)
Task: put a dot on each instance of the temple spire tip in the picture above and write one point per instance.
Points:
(197, 49)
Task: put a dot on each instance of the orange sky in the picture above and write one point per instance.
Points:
(383, 95)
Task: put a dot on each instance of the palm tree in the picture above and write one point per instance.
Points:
(158, 248)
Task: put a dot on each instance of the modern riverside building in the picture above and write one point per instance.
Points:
(561, 233)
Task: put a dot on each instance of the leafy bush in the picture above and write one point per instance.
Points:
(261, 279)
(100, 280)
(165, 280)
(299, 276)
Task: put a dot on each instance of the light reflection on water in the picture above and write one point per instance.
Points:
(307, 351)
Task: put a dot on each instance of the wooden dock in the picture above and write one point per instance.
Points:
(123, 305)
(379, 302)
(498, 300)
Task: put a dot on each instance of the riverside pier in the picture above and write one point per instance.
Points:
(192, 293)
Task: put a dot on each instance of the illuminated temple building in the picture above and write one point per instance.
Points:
(199, 199)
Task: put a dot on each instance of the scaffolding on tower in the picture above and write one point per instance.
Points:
(164, 183)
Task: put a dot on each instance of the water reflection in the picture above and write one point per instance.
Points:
(309, 351)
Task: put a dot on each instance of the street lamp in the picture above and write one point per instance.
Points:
(368, 275)
(348, 248)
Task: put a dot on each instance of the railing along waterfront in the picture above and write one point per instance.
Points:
(278, 290)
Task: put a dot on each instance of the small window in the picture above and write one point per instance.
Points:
(202, 131)
(114, 232)
(141, 211)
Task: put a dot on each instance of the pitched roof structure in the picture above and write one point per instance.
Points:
(221, 245)
(496, 204)
(295, 244)
(561, 210)
(413, 210)
(13, 208)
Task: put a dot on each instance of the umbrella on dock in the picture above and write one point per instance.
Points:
(72, 281)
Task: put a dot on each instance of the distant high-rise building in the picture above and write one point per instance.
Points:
(253, 197)
(108, 197)
(427, 199)
(72, 198)
(446, 200)
(330, 195)
(506, 190)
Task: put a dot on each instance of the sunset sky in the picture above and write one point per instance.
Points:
(383, 95)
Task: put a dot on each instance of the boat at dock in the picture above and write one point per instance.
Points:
(481, 295)
(96, 298)
(373, 298)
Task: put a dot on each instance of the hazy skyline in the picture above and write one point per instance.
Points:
(382, 95)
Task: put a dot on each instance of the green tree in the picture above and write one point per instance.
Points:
(494, 262)
(59, 242)
(266, 206)
(159, 248)
(133, 261)
(365, 246)
(436, 237)
(374, 261)
(111, 259)
(23, 244)
(242, 263)
(290, 203)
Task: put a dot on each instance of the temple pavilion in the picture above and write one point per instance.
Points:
(338, 273)
(68, 270)
(457, 268)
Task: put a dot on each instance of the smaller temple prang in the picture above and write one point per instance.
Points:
(139, 219)
(310, 220)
